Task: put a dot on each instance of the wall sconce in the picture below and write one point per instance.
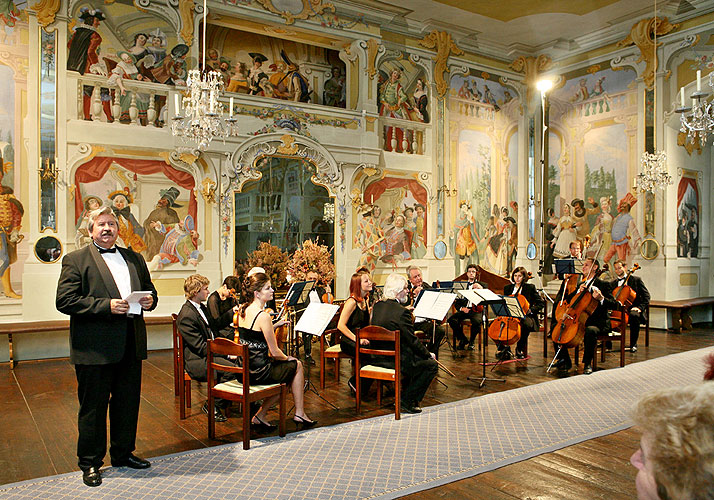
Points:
(447, 192)
(48, 170)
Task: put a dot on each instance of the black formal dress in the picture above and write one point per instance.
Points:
(264, 369)
(530, 322)
(598, 322)
(220, 315)
(435, 335)
(641, 302)
(417, 366)
(106, 349)
(358, 319)
(474, 314)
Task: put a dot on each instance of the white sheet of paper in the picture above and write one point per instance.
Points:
(316, 318)
(433, 305)
(314, 297)
(133, 300)
(479, 295)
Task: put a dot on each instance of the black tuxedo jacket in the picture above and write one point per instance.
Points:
(84, 292)
(196, 333)
(601, 315)
(529, 291)
(642, 300)
(391, 315)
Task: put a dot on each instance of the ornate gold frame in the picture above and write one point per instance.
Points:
(310, 8)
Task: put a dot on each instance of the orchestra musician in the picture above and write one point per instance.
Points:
(529, 323)
(575, 254)
(415, 286)
(222, 304)
(311, 275)
(598, 322)
(464, 312)
(355, 315)
(418, 367)
(638, 310)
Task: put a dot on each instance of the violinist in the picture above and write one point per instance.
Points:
(637, 310)
(598, 322)
(354, 315)
(415, 286)
(529, 323)
(312, 275)
(464, 312)
(222, 304)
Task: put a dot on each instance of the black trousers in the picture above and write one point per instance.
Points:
(116, 387)
(435, 336)
(590, 342)
(636, 320)
(416, 380)
(528, 325)
(456, 323)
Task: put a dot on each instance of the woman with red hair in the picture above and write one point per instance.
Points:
(355, 315)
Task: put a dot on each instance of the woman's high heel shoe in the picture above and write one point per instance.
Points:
(301, 423)
(261, 426)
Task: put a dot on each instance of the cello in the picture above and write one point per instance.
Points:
(571, 283)
(625, 296)
(570, 329)
(506, 329)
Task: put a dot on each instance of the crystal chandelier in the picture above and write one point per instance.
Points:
(697, 120)
(202, 119)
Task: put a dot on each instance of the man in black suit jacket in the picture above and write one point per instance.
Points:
(193, 323)
(415, 286)
(107, 343)
(638, 310)
(598, 322)
(417, 363)
(464, 312)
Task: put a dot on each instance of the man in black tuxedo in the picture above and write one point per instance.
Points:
(107, 343)
(464, 312)
(417, 363)
(193, 323)
(415, 286)
(638, 310)
(598, 322)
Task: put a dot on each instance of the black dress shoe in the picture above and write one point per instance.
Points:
(410, 409)
(133, 462)
(519, 354)
(462, 345)
(92, 476)
(217, 413)
(563, 365)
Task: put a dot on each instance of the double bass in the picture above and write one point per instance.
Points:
(506, 329)
(625, 296)
(570, 329)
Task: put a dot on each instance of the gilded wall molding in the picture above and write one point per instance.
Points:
(373, 48)
(532, 68)
(445, 46)
(310, 8)
(642, 36)
(46, 11)
(186, 10)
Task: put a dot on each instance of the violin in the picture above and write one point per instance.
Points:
(505, 329)
(327, 297)
(625, 296)
(570, 329)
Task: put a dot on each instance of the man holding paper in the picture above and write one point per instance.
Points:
(415, 286)
(107, 342)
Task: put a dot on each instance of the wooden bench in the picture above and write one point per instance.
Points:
(680, 312)
(16, 328)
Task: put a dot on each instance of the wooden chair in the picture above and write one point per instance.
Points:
(333, 352)
(377, 333)
(619, 333)
(182, 380)
(238, 390)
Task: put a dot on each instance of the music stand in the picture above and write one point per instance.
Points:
(483, 297)
(298, 293)
(509, 308)
(433, 305)
(452, 287)
(314, 321)
(568, 266)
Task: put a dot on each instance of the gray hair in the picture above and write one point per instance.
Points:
(96, 213)
(412, 268)
(394, 284)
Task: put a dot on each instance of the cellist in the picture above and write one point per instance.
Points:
(464, 312)
(637, 311)
(598, 322)
(575, 254)
(520, 286)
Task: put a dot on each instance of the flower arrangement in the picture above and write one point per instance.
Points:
(312, 256)
(273, 260)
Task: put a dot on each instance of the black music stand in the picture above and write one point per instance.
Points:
(486, 303)
(298, 294)
(509, 308)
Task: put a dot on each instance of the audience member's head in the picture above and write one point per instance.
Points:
(195, 286)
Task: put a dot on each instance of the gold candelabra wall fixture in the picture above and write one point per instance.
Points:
(48, 169)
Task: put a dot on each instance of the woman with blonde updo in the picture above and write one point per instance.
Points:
(268, 363)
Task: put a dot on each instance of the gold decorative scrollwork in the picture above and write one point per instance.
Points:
(372, 49)
(185, 8)
(288, 146)
(445, 46)
(46, 11)
(310, 8)
(208, 190)
(532, 68)
(642, 35)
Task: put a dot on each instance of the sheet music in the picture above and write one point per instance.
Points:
(316, 318)
(475, 297)
(433, 305)
(509, 307)
(314, 297)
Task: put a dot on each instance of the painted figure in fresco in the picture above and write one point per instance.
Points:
(489, 98)
(213, 59)
(239, 80)
(370, 237)
(172, 70)
(475, 92)
(298, 86)
(465, 91)
(682, 237)
(418, 249)
(126, 69)
(9, 13)
(257, 77)
(496, 251)
(398, 242)
(278, 82)
(625, 236)
(581, 92)
(419, 242)
(180, 244)
(465, 237)
(83, 54)
(602, 231)
(82, 238)
(598, 90)
(394, 103)
(334, 89)
(139, 50)
(225, 68)
(693, 232)
(511, 243)
(580, 218)
(157, 47)
(130, 231)
(163, 213)
(507, 97)
(564, 233)
(11, 212)
(421, 100)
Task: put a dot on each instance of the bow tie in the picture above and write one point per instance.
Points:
(107, 250)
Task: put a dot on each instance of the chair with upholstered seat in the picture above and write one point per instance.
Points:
(618, 333)
(182, 380)
(238, 390)
(381, 335)
(330, 352)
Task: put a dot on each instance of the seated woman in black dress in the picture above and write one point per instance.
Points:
(355, 315)
(221, 306)
(268, 364)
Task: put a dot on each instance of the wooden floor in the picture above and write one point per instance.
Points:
(38, 410)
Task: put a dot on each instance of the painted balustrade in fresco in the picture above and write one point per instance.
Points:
(403, 136)
(604, 105)
(473, 109)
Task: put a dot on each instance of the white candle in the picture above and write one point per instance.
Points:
(681, 95)
(230, 111)
(694, 103)
(699, 80)
(176, 103)
(213, 104)
(372, 200)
